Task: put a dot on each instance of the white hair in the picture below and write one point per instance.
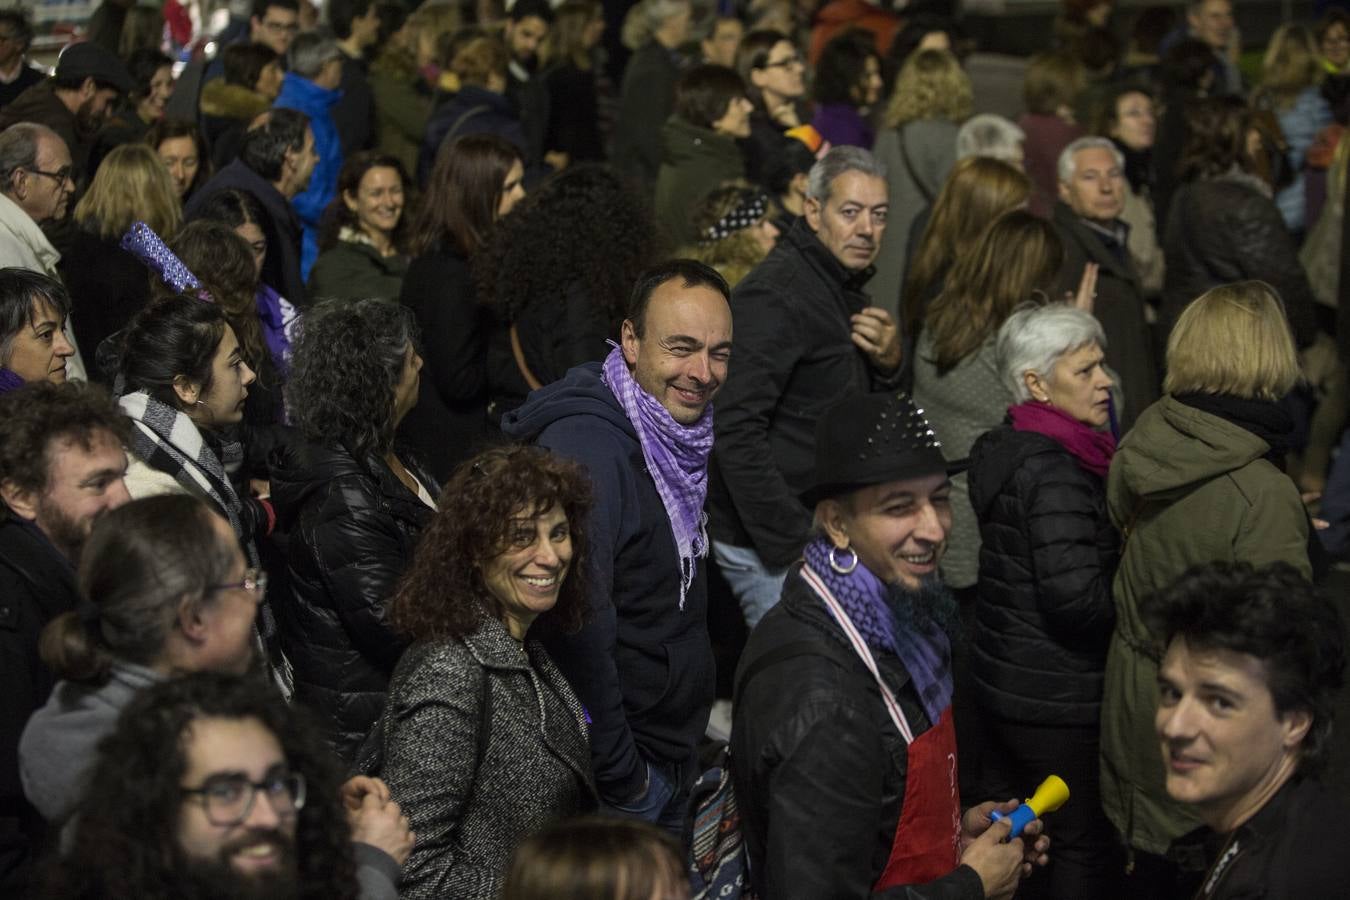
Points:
(990, 136)
(1066, 162)
(1035, 337)
(841, 159)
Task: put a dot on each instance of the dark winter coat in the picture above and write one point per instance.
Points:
(353, 527)
(1047, 556)
(280, 225)
(694, 162)
(226, 111)
(354, 113)
(41, 105)
(647, 99)
(355, 270)
(573, 120)
(642, 665)
(474, 110)
(1119, 308)
(1227, 229)
(37, 584)
(107, 286)
(819, 766)
(794, 360)
(27, 77)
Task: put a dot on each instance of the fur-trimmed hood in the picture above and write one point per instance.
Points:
(232, 101)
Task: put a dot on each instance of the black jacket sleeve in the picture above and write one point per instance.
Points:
(440, 290)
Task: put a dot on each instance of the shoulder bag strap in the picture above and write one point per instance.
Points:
(518, 352)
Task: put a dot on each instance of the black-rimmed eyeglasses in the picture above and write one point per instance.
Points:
(228, 799)
(61, 175)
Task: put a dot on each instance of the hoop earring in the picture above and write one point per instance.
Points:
(843, 569)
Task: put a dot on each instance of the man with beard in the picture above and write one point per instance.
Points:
(806, 335)
(527, 24)
(61, 467)
(211, 787)
(844, 749)
(76, 100)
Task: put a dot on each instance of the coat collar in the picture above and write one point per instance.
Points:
(1094, 246)
(27, 232)
(809, 246)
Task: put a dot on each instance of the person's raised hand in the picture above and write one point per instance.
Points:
(1087, 288)
(381, 824)
(999, 865)
(874, 333)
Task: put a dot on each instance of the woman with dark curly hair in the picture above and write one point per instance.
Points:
(364, 238)
(848, 84)
(557, 275)
(352, 505)
(482, 741)
(477, 180)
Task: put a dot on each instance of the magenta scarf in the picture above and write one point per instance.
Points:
(1093, 449)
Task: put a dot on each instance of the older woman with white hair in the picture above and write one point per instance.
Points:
(1044, 616)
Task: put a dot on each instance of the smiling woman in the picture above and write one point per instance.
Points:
(483, 741)
(364, 241)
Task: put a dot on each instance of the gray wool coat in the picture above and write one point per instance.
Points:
(482, 743)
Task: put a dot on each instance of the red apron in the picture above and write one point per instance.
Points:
(927, 842)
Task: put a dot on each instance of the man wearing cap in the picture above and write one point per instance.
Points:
(76, 100)
(806, 335)
(845, 751)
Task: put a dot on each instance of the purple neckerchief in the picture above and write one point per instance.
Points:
(924, 651)
(677, 458)
(9, 381)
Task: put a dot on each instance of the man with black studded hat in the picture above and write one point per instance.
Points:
(844, 753)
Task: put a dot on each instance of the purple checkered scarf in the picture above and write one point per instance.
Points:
(677, 458)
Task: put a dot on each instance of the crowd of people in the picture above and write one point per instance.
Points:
(397, 400)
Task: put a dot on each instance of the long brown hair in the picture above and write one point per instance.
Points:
(1019, 255)
(977, 192)
(464, 194)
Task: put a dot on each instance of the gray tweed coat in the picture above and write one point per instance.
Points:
(471, 796)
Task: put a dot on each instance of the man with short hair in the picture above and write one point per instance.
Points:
(211, 786)
(1211, 23)
(807, 335)
(527, 24)
(1254, 660)
(76, 100)
(276, 159)
(311, 87)
(1092, 193)
(16, 36)
(61, 467)
(274, 23)
(356, 25)
(641, 424)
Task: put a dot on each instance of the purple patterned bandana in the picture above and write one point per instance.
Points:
(142, 242)
(677, 458)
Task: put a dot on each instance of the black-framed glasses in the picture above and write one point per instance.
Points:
(62, 175)
(255, 582)
(785, 62)
(228, 799)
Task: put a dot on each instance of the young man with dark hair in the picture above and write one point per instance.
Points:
(527, 24)
(61, 467)
(211, 786)
(356, 25)
(1254, 659)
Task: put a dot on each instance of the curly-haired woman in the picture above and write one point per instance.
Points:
(353, 506)
(918, 147)
(482, 741)
(848, 85)
(557, 275)
(363, 244)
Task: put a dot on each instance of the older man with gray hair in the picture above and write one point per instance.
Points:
(1092, 192)
(311, 87)
(993, 137)
(806, 336)
(36, 181)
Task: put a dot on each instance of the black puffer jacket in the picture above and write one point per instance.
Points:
(353, 527)
(819, 768)
(1226, 229)
(1047, 559)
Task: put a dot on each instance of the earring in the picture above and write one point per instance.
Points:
(841, 568)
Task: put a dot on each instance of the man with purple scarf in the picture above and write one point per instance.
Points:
(641, 424)
(843, 743)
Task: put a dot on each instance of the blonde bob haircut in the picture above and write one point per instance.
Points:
(931, 85)
(1233, 339)
(132, 184)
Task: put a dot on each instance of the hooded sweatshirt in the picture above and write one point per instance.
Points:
(642, 667)
(1185, 487)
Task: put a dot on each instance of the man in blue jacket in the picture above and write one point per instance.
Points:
(641, 424)
(311, 88)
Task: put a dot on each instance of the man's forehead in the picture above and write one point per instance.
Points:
(53, 150)
(1094, 158)
(858, 187)
(675, 307)
(1214, 665)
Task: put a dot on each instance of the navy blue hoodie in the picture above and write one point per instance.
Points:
(643, 668)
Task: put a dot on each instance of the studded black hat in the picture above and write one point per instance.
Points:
(872, 439)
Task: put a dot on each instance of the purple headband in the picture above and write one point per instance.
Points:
(142, 242)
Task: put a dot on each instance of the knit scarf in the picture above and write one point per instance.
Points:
(9, 381)
(166, 440)
(677, 458)
(1264, 418)
(924, 649)
(1092, 448)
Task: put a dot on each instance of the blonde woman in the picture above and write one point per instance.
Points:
(398, 76)
(108, 285)
(735, 231)
(932, 97)
(1291, 79)
(1198, 479)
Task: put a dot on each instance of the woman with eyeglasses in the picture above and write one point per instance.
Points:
(775, 83)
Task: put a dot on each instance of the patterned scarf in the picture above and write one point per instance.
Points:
(923, 648)
(677, 458)
(166, 440)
